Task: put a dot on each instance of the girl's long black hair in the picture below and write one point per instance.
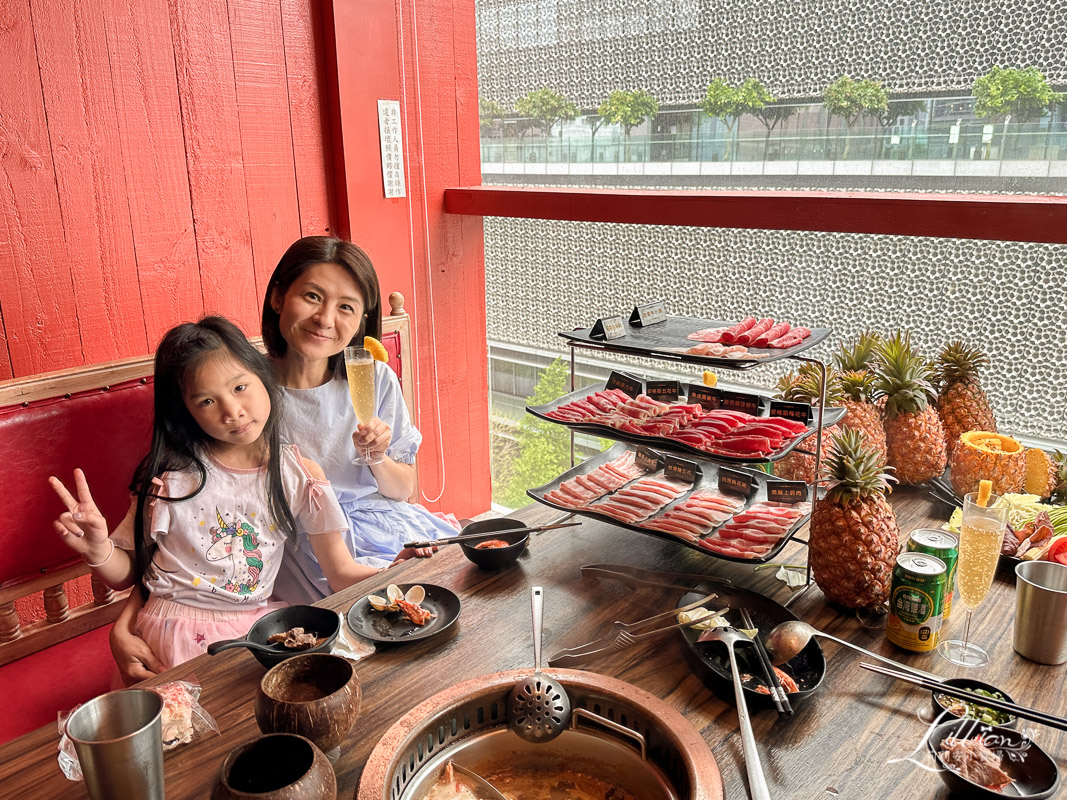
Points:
(178, 441)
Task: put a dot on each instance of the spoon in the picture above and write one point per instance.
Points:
(787, 639)
(757, 784)
(538, 707)
(485, 788)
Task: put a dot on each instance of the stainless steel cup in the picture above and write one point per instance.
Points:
(1041, 611)
(119, 740)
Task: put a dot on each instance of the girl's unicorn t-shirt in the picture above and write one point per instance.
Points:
(222, 546)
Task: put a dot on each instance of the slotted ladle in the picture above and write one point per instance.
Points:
(538, 707)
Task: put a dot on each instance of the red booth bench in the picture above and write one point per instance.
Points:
(55, 618)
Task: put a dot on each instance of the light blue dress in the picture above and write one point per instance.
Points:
(320, 421)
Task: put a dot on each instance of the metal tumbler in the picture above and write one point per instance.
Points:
(1041, 611)
(119, 740)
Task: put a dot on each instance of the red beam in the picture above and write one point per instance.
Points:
(1011, 218)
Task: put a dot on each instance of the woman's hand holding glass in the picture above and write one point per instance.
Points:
(360, 369)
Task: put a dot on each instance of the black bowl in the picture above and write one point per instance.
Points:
(940, 710)
(1034, 775)
(321, 621)
(499, 557)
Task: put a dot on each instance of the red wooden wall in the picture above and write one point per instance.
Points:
(158, 156)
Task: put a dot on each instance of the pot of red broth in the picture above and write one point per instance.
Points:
(623, 744)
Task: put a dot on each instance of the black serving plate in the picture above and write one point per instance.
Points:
(830, 416)
(392, 626)
(709, 480)
(711, 663)
(667, 340)
(1033, 774)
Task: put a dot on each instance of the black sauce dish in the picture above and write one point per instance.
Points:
(1033, 774)
(321, 621)
(496, 557)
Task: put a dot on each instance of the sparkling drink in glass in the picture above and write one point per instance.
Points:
(359, 366)
(981, 536)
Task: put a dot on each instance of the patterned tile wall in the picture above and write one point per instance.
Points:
(673, 48)
(1010, 299)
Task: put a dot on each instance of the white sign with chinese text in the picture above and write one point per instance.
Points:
(392, 150)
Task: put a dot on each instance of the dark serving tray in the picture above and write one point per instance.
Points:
(667, 340)
(830, 416)
(709, 480)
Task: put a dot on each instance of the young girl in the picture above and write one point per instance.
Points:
(216, 500)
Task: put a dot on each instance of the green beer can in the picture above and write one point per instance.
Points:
(916, 602)
(943, 545)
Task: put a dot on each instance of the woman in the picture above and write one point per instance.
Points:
(322, 297)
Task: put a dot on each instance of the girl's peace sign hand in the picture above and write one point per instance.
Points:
(82, 526)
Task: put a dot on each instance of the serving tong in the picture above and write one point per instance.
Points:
(625, 637)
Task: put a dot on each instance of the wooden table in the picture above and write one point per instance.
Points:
(839, 743)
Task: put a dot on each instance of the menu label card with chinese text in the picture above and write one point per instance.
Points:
(392, 148)
(624, 383)
(709, 399)
(801, 412)
(787, 491)
(681, 470)
(736, 482)
(648, 314)
(739, 401)
(608, 328)
(664, 391)
(646, 459)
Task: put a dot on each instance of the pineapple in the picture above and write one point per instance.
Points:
(915, 439)
(854, 539)
(980, 455)
(1046, 476)
(857, 382)
(961, 403)
(803, 387)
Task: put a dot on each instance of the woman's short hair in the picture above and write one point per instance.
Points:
(306, 252)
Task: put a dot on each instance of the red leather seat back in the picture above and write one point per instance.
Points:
(391, 341)
(105, 432)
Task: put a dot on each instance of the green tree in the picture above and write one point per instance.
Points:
(851, 99)
(541, 449)
(761, 105)
(629, 109)
(546, 107)
(490, 112)
(730, 103)
(1022, 95)
(595, 121)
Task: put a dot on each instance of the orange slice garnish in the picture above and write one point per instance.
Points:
(376, 348)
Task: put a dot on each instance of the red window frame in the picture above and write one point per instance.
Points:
(1013, 218)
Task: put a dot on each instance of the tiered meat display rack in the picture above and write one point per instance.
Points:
(666, 340)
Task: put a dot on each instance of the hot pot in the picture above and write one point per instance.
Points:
(642, 744)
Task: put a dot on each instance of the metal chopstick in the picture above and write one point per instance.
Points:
(979, 700)
(604, 641)
(469, 537)
(778, 693)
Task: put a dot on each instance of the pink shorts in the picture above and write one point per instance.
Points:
(177, 633)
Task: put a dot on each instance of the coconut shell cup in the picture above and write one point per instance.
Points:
(315, 695)
(279, 766)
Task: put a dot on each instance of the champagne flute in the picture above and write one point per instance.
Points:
(981, 536)
(359, 365)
